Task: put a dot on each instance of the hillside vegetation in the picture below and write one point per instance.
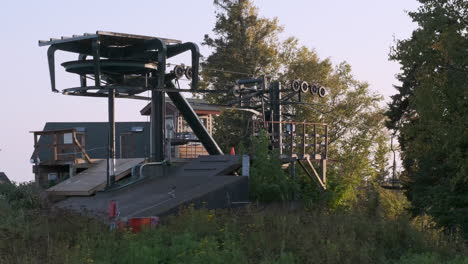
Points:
(32, 232)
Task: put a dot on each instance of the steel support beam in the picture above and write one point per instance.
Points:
(275, 98)
(96, 48)
(82, 57)
(157, 101)
(157, 126)
(51, 59)
(194, 122)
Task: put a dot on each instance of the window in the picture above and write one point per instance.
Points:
(52, 176)
(68, 138)
(137, 129)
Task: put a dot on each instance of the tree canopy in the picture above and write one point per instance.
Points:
(430, 111)
(246, 45)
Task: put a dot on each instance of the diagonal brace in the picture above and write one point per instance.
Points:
(316, 178)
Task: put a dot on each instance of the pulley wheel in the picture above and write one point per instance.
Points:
(314, 88)
(304, 87)
(188, 73)
(322, 92)
(296, 86)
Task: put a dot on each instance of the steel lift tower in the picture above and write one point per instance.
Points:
(124, 66)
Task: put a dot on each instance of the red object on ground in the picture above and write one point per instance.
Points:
(233, 151)
(138, 223)
(135, 224)
(113, 209)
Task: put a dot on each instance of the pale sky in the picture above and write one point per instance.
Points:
(359, 32)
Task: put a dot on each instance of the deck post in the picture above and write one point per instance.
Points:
(72, 170)
(315, 140)
(111, 156)
(323, 165)
(303, 140)
(292, 173)
(55, 146)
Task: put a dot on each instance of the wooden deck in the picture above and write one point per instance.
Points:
(93, 179)
(192, 151)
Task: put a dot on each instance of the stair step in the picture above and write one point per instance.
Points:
(223, 160)
(216, 157)
(200, 169)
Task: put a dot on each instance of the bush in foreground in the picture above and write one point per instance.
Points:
(33, 233)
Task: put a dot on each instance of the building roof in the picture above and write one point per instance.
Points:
(4, 178)
(96, 138)
(199, 105)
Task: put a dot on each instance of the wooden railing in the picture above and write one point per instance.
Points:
(297, 139)
(62, 151)
(299, 142)
(190, 151)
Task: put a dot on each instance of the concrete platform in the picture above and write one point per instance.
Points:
(203, 180)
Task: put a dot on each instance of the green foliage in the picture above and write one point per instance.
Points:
(381, 160)
(392, 203)
(428, 258)
(245, 42)
(31, 232)
(232, 130)
(268, 181)
(244, 45)
(23, 195)
(275, 234)
(430, 111)
(358, 142)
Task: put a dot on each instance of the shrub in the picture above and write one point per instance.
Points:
(429, 258)
(21, 196)
(271, 234)
(268, 181)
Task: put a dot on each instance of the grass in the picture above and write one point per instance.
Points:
(32, 232)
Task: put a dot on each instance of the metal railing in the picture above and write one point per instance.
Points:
(62, 151)
(296, 139)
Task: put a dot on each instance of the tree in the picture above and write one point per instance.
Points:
(430, 111)
(245, 45)
(356, 121)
